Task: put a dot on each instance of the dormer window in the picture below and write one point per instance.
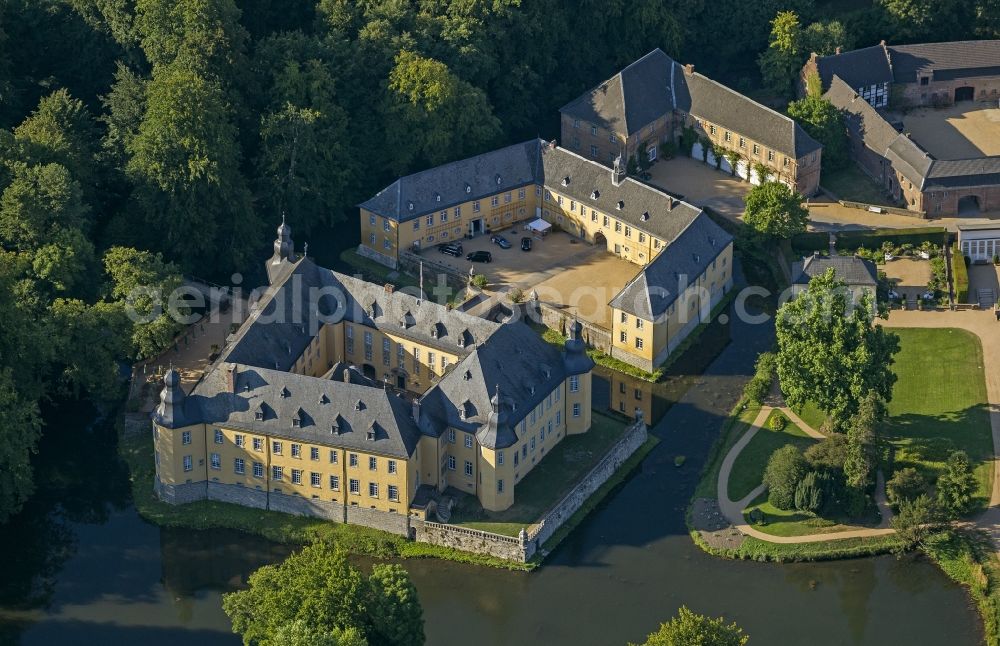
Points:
(258, 415)
(323, 399)
(499, 180)
(467, 376)
(596, 194)
(620, 205)
(296, 422)
(531, 389)
(359, 405)
(711, 241)
(437, 197)
(468, 188)
(645, 216)
(334, 429)
(370, 435)
(565, 181)
(285, 393)
(409, 205)
(696, 257)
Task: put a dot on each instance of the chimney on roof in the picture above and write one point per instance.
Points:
(231, 378)
(346, 375)
(882, 42)
(389, 288)
(689, 68)
(837, 51)
(416, 411)
(670, 203)
(618, 172)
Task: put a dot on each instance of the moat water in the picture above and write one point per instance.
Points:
(81, 567)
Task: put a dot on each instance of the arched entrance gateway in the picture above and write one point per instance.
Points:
(969, 205)
(965, 93)
(600, 239)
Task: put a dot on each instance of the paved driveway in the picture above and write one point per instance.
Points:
(984, 287)
(701, 185)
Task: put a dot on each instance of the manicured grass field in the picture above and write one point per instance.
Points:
(852, 185)
(748, 470)
(547, 482)
(939, 403)
(789, 522)
(732, 431)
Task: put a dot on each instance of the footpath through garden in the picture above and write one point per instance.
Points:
(982, 323)
(733, 509)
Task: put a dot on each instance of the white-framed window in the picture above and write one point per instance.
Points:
(239, 466)
(756, 149)
(500, 457)
(532, 442)
(520, 193)
(385, 225)
(371, 238)
(373, 489)
(392, 466)
(558, 418)
(296, 450)
(335, 483)
(638, 343)
(451, 462)
(576, 410)
(219, 438)
(623, 336)
(258, 469)
(216, 461)
(443, 215)
(277, 473)
(500, 486)
(593, 130)
(468, 441)
(186, 437)
(638, 323)
(240, 440)
(314, 479)
(188, 463)
(394, 493)
(386, 352)
(276, 447)
(333, 456)
(314, 453)
(355, 486)
(468, 468)
(574, 383)
(372, 463)
(457, 212)
(353, 459)
(494, 201)
(296, 476)
(371, 219)
(475, 206)
(593, 151)
(576, 123)
(624, 317)
(451, 435)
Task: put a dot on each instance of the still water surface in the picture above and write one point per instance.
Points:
(83, 568)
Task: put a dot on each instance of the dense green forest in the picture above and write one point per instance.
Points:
(142, 140)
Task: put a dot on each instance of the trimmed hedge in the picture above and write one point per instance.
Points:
(959, 274)
(870, 239)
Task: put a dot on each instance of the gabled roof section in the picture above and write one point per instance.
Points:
(445, 186)
(716, 103)
(631, 99)
(340, 422)
(667, 216)
(946, 61)
(858, 68)
(686, 257)
(852, 270)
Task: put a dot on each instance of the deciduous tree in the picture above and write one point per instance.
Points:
(691, 629)
(825, 124)
(785, 470)
(862, 442)
(956, 487)
(775, 211)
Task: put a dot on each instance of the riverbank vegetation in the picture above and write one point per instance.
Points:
(689, 628)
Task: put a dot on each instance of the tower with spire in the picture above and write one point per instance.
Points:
(284, 250)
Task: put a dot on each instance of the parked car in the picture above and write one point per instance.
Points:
(451, 248)
(480, 256)
(500, 241)
(525, 244)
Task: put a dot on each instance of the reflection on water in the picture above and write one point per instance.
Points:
(83, 568)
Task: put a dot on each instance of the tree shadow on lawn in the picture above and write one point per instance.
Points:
(924, 442)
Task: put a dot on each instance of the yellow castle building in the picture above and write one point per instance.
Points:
(358, 403)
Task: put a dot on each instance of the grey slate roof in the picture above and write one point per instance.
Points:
(953, 173)
(516, 360)
(878, 134)
(655, 85)
(659, 284)
(716, 103)
(858, 68)
(852, 270)
(633, 98)
(319, 404)
(667, 216)
(958, 59)
(469, 179)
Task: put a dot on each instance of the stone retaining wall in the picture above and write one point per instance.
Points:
(302, 506)
(384, 520)
(245, 496)
(552, 316)
(474, 540)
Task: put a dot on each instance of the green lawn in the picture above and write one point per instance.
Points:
(789, 522)
(939, 403)
(852, 185)
(748, 470)
(811, 415)
(546, 483)
(737, 424)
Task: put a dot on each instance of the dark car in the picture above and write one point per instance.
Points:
(525, 244)
(451, 248)
(500, 241)
(480, 256)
